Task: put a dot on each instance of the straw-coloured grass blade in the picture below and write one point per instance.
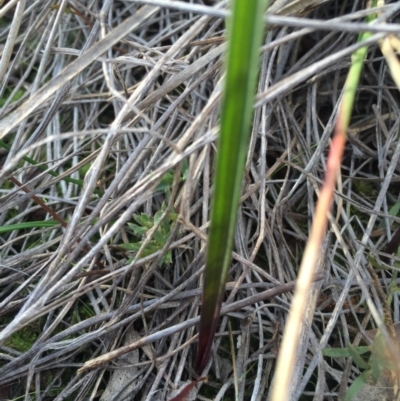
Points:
(312, 251)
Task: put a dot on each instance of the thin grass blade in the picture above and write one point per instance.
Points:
(28, 225)
(289, 347)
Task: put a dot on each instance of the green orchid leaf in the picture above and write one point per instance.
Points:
(242, 63)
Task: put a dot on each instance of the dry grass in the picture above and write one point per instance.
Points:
(136, 105)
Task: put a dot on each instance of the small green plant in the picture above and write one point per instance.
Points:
(168, 179)
(145, 223)
(378, 366)
(393, 211)
(381, 368)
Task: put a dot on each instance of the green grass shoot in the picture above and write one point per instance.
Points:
(29, 225)
(44, 168)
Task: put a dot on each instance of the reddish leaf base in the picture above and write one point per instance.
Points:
(182, 396)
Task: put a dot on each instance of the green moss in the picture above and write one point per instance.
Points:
(18, 95)
(23, 339)
(365, 188)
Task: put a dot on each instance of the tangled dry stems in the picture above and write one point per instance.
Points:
(136, 106)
